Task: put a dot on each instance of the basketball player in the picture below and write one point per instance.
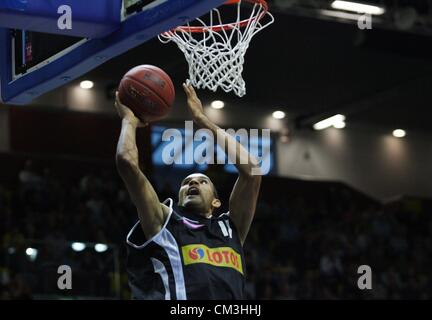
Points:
(187, 253)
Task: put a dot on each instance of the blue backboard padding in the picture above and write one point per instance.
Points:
(132, 33)
(90, 18)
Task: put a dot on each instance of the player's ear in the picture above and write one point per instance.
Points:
(216, 203)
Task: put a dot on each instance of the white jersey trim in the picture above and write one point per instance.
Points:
(161, 270)
(224, 214)
(166, 240)
(156, 235)
(169, 244)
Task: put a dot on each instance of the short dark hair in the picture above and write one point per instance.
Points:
(215, 193)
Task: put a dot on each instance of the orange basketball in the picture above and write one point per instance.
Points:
(148, 91)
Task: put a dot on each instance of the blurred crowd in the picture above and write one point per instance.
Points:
(301, 246)
(302, 251)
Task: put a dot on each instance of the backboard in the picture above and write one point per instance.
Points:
(38, 52)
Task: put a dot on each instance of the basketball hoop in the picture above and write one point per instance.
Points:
(215, 49)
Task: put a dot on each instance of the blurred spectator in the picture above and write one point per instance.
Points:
(28, 174)
(19, 289)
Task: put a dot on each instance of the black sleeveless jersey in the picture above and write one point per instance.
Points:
(190, 258)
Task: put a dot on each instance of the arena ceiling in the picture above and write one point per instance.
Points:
(312, 66)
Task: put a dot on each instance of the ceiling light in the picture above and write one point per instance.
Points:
(340, 125)
(86, 84)
(399, 133)
(278, 115)
(329, 122)
(340, 14)
(78, 246)
(218, 104)
(100, 247)
(31, 253)
(357, 7)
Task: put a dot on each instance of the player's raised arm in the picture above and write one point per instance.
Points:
(151, 212)
(243, 199)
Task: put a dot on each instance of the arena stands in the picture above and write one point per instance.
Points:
(307, 241)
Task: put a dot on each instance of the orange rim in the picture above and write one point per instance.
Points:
(228, 26)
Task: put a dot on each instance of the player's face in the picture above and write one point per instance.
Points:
(197, 193)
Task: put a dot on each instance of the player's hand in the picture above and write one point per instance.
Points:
(127, 114)
(195, 105)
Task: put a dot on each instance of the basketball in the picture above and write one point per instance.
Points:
(148, 91)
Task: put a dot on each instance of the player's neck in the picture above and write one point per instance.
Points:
(200, 214)
(195, 213)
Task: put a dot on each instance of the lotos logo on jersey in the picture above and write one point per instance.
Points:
(219, 257)
(196, 253)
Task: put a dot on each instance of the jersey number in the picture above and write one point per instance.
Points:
(226, 229)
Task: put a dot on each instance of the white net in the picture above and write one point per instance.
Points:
(215, 50)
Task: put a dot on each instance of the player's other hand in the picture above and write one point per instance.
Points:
(194, 104)
(126, 114)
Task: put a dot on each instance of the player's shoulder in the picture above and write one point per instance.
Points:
(226, 218)
(223, 216)
(136, 238)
